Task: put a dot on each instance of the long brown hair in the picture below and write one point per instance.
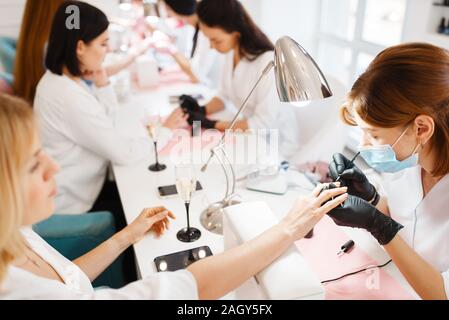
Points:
(17, 130)
(401, 83)
(231, 16)
(34, 34)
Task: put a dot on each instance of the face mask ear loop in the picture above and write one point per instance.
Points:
(402, 134)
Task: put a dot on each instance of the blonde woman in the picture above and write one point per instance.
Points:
(31, 269)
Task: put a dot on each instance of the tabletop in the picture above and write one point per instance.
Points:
(138, 188)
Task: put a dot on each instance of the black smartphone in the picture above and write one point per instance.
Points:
(181, 260)
(167, 191)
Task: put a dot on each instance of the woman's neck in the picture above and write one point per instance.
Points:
(427, 162)
(193, 20)
(67, 73)
(237, 57)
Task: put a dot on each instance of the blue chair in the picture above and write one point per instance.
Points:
(8, 53)
(6, 81)
(75, 235)
(7, 57)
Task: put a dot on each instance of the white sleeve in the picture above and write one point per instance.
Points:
(221, 92)
(180, 285)
(202, 62)
(90, 127)
(445, 276)
(108, 99)
(266, 112)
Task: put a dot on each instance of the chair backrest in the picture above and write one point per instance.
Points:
(6, 83)
(321, 131)
(7, 53)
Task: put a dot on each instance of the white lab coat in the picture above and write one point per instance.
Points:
(425, 220)
(206, 63)
(264, 110)
(23, 285)
(78, 129)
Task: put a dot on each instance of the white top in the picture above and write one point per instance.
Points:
(23, 285)
(77, 128)
(425, 220)
(264, 110)
(206, 63)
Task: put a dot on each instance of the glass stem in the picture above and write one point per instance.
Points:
(187, 204)
(155, 152)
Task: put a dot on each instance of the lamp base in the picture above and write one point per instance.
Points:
(212, 217)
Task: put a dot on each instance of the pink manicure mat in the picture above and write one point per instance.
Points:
(209, 139)
(321, 253)
(173, 76)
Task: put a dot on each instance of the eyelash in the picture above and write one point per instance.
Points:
(35, 167)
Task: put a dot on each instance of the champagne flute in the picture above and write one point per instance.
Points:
(153, 126)
(186, 187)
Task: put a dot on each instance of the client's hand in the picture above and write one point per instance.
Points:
(308, 210)
(177, 119)
(153, 219)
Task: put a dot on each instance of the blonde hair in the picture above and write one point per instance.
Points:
(17, 130)
(34, 34)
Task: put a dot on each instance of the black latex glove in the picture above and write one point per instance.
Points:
(357, 213)
(189, 105)
(352, 177)
(205, 122)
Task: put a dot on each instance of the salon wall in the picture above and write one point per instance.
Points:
(300, 20)
(296, 18)
(10, 17)
(11, 12)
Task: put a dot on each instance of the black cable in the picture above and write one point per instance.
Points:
(355, 272)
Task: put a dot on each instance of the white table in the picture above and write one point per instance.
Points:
(138, 190)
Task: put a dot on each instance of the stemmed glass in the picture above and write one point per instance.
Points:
(186, 187)
(153, 126)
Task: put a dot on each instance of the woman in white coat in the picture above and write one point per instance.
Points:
(77, 123)
(232, 32)
(401, 103)
(203, 65)
(31, 269)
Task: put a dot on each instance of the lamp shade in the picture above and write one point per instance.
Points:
(298, 77)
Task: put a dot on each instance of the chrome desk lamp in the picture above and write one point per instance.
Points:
(298, 79)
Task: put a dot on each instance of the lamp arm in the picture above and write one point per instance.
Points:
(267, 69)
(232, 172)
(223, 166)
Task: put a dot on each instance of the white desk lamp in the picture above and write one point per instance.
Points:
(298, 79)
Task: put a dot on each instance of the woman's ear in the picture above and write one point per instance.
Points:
(424, 128)
(236, 35)
(80, 48)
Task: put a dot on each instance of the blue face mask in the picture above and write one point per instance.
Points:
(383, 158)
